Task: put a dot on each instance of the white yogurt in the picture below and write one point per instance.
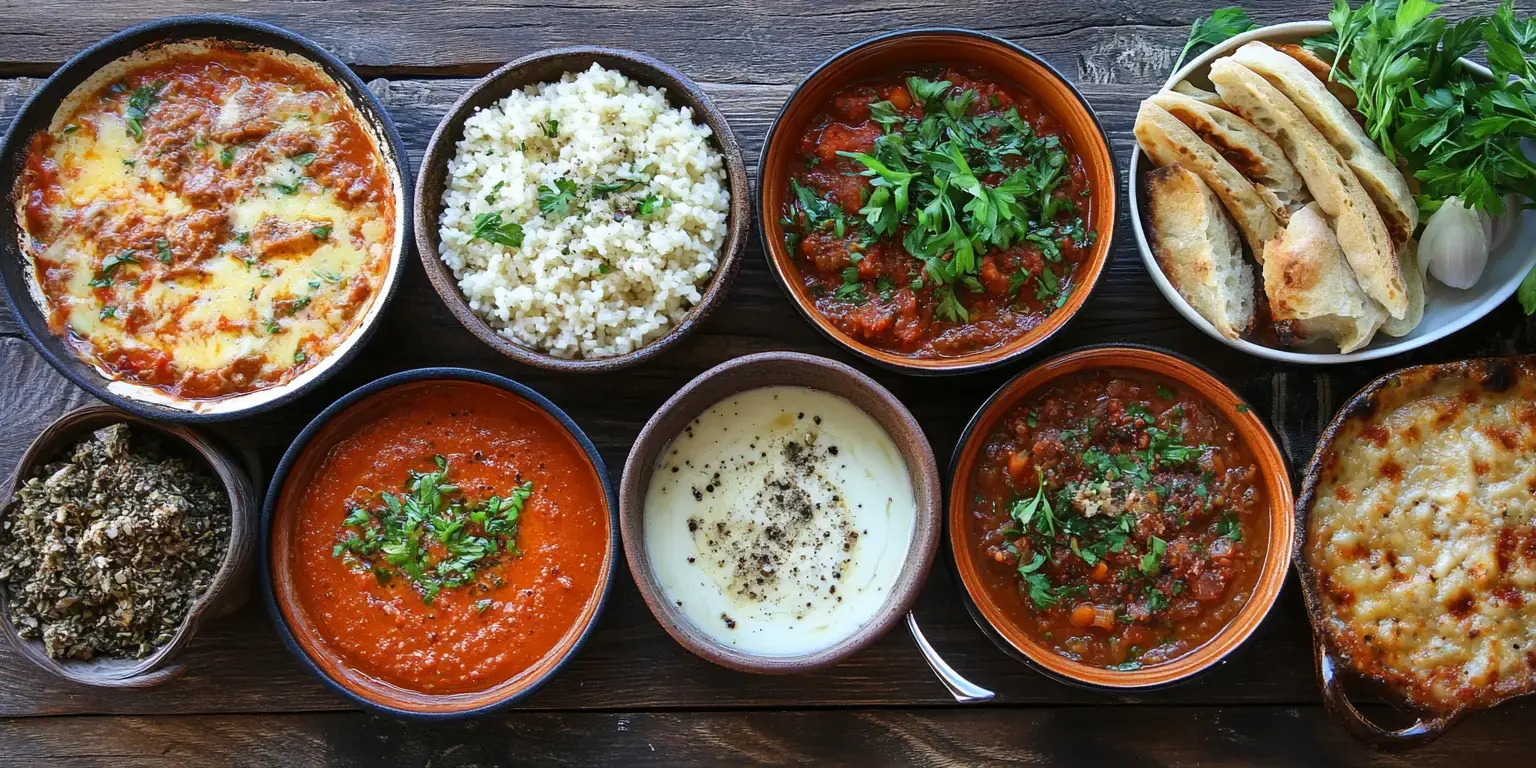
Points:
(779, 520)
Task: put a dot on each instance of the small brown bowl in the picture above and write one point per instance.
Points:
(231, 584)
(893, 51)
(765, 370)
(1004, 628)
(549, 66)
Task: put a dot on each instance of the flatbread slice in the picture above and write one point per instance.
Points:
(1312, 291)
(1413, 277)
(1170, 142)
(1252, 152)
(1358, 225)
(1321, 70)
(1382, 180)
(1199, 249)
(1199, 94)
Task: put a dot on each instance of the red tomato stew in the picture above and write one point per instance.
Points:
(452, 542)
(1117, 516)
(936, 213)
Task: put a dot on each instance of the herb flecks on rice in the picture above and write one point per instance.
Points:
(105, 551)
(583, 218)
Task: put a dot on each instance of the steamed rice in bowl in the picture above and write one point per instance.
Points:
(584, 218)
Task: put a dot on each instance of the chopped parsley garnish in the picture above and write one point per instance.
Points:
(108, 311)
(490, 197)
(606, 188)
(552, 128)
(322, 232)
(1164, 392)
(651, 204)
(111, 263)
(490, 228)
(603, 269)
(1151, 562)
(557, 200)
(300, 357)
(430, 534)
(227, 156)
(243, 237)
(304, 159)
(68, 129)
(288, 189)
(1229, 527)
(140, 102)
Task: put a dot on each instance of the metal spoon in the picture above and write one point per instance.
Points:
(964, 691)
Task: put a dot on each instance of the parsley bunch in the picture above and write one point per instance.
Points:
(430, 535)
(928, 186)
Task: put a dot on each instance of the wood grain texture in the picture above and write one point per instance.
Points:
(1125, 738)
(633, 695)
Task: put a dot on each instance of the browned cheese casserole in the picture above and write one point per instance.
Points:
(1420, 537)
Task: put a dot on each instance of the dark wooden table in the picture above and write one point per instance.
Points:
(633, 696)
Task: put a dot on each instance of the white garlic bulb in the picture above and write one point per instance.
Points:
(1454, 247)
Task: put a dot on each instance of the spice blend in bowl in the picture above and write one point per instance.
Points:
(105, 551)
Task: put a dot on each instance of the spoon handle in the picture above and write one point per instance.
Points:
(964, 691)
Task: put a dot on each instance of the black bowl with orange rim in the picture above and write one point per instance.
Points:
(1045, 99)
(1000, 599)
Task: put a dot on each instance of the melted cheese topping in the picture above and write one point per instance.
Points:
(1422, 536)
(209, 224)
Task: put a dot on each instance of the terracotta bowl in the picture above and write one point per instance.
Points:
(549, 66)
(765, 370)
(17, 272)
(279, 520)
(1003, 627)
(231, 583)
(946, 46)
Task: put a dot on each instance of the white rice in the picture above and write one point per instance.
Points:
(604, 279)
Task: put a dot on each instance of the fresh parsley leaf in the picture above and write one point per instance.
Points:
(490, 197)
(226, 156)
(322, 232)
(108, 311)
(1230, 527)
(1223, 24)
(163, 251)
(111, 263)
(140, 102)
(651, 204)
(557, 200)
(552, 128)
(490, 228)
(304, 159)
(1151, 562)
(1527, 292)
(605, 188)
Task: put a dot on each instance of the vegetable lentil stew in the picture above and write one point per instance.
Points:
(936, 213)
(1119, 517)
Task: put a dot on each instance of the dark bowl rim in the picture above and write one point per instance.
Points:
(951, 479)
(923, 549)
(296, 450)
(124, 42)
(439, 152)
(860, 350)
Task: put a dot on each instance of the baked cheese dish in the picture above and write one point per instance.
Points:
(1422, 538)
(207, 220)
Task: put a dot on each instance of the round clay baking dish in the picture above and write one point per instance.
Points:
(1004, 629)
(781, 369)
(549, 66)
(231, 583)
(17, 268)
(278, 528)
(952, 47)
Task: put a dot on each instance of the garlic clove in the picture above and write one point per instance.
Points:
(1454, 247)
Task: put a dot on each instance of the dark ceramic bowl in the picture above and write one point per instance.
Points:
(1371, 416)
(892, 52)
(988, 607)
(781, 369)
(299, 463)
(39, 110)
(231, 583)
(549, 66)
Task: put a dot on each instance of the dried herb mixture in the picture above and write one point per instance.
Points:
(105, 551)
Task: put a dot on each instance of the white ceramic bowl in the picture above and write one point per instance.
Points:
(1446, 311)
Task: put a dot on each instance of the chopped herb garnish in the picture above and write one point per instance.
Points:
(1151, 562)
(304, 159)
(300, 357)
(431, 534)
(227, 156)
(140, 102)
(322, 232)
(651, 204)
(288, 189)
(163, 251)
(557, 200)
(552, 128)
(108, 311)
(490, 228)
(490, 197)
(68, 129)
(111, 263)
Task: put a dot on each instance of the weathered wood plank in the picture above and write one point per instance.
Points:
(1131, 736)
(739, 41)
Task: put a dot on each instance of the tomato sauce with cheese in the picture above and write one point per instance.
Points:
(522, 609)
(1119, 516)
(207, 220)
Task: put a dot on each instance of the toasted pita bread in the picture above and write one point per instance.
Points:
(1312, 291)
(1321, 70)
(1199, 94)
(1252, 152)
(1199, 249)
(1358, 225)
(1413, 277)
(1381, 179)
(1170, 142)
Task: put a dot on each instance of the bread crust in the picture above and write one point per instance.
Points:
(1312, 292)
(1359, 227)
(1198, 249)
(1252, 152)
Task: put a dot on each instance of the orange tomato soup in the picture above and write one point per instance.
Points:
(521, 608)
